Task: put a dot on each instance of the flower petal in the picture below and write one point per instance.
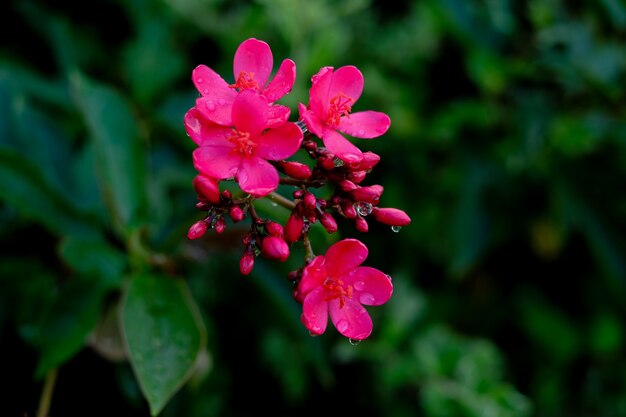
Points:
(216, 110)
(255, 57)
(216, 161)
(204, 132)
(346, 81)
(283, 81)
(370, 286)
(250, 112)
(341, 147)
(345, 256)
(256, 176)
(277, 115)
(318, 94)
(208, 82)
(315, 311)
(279, 143)
(313, 276)
(366, 124)
(350, 319)
(310, 119)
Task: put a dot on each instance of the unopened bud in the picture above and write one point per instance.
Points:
(197, 230)
(347, 185)
(370, 194)
(236, 214)
(329, 222)
(293, 227)
(295, 170)
(348, 210)
(361, 224)
(246, 263)
(207, 189)
(275, 248)
(273, 229)
(310, 202)
(391, 216)
(370, 159)
(220, 225)
(357, 176)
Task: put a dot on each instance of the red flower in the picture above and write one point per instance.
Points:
(331, 97)
(242, 149)
(252, 67)
(336, 285)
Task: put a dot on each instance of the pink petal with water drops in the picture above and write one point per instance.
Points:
(344, 256)
(255, 57)
(208, 82)
(216, 110)
(315, 311)
(277, 115)
(370, 286)
(216, 162)
(250, 112)
(279, 143)
(365, 124)
(350, 318)
(318, 94)
(312, 122)
(257, 177)
(341, 147)
(313, 275)
(203, 132)
(346, 81)
(283, 81)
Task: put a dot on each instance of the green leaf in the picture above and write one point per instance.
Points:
(121, 159)
(164, 335)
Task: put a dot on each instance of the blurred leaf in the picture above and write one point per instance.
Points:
(164, 335)
(120, 152)
(606, 334)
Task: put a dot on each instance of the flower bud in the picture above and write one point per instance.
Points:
(329, 222)
(207, 189)
(361, 224)
(273, 229)
(370, 194)
(246, 263)
(347, 185)
(236, 214)
(370, 159)
(357, 176)
(348, 210)
(295, 170)
(220, 225)
(275, 248)
(197, 230)
(293, 227)
(391, 216)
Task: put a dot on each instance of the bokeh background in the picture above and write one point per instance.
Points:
(507, 148)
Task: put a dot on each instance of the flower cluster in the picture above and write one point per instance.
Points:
(244, 135)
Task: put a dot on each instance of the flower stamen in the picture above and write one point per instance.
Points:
(335, 288)
(340, 105)
(243, 145)
(245, 81)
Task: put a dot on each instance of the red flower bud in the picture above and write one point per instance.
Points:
(293, 227)
(348, 210)
(370, 159)
(275, 248)
(347, 185)
(295, 170)
(310, 202)
(236, 214)
(273, 229)
(370, 194)
(197, 230)
(361, 224)
(220, 225)
(357, 176)
(391, 216)
(207, 189)
(329, 222)
(246, 263)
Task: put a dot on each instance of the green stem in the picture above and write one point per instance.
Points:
(281, 201)
(308, 249)
(46, 393)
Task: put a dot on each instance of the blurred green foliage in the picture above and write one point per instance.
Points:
(507, 148)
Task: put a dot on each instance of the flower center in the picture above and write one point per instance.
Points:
(339, 106)
(335, 288)
(244, 146)
(245, 81)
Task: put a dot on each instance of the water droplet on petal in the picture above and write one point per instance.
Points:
(363, 208)
(396, 229)
(354, 342)
(199, 80)
(205, 91)
(221, 101)
(210, 105)
(313, 334)
(342, 326)
(359, 285)
(366, 298)
(361, 132)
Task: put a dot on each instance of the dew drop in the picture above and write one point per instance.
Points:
(313, 334)
(359, 285)
(210, 105)
(396, 229)
(221, 101)
(363, 208)
(361, 132)
(199, 80)
(342, 326)
(355, 342)
(205, 91)
(366, 298)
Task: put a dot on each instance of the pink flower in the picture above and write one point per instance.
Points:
(331, 97)
(252, 67)
(335, 284)
(242, 149)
